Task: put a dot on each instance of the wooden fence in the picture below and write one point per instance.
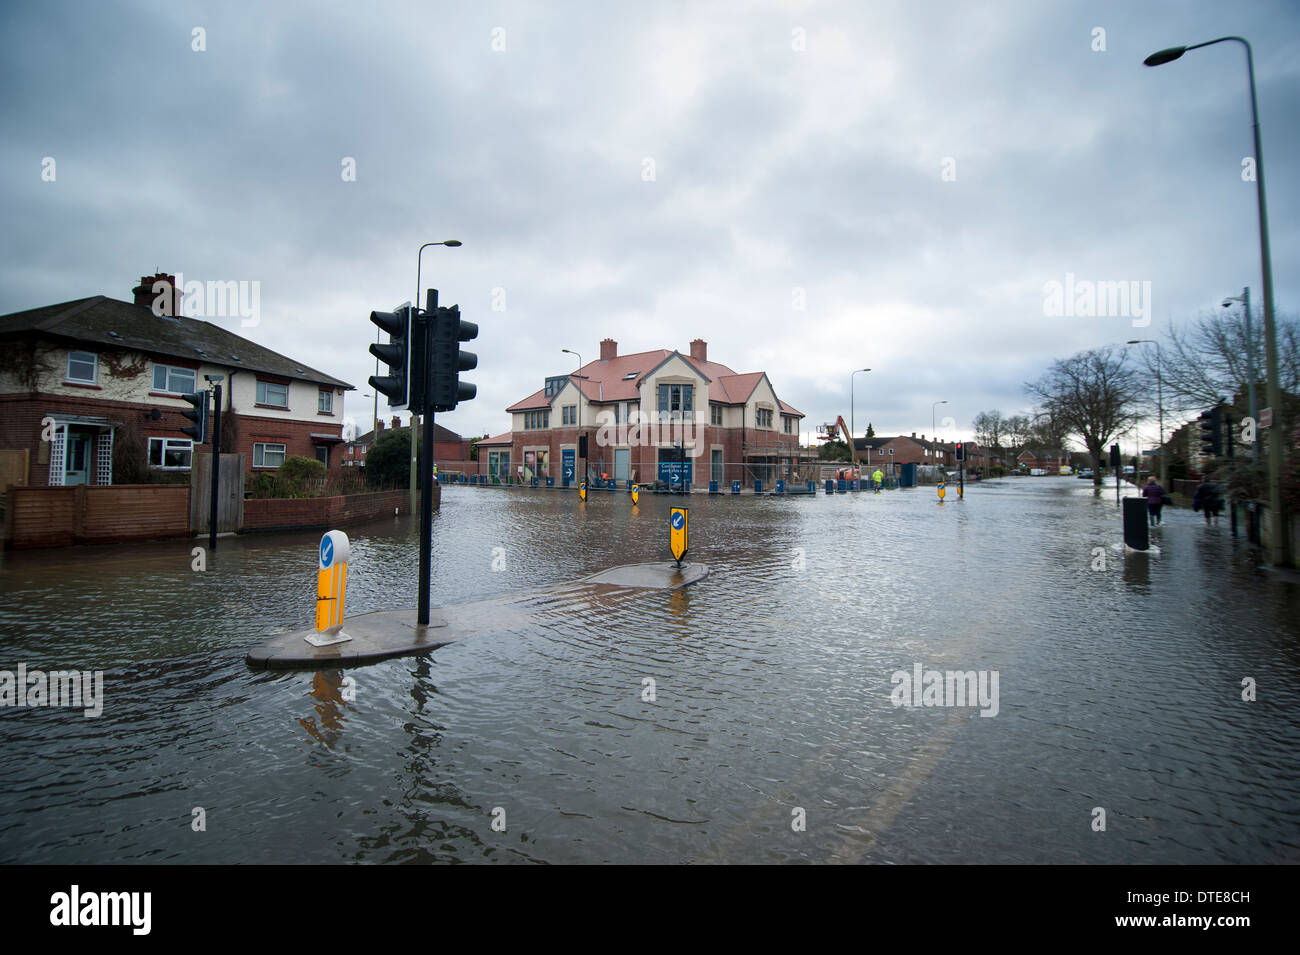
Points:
(59, 516)
(230, 493)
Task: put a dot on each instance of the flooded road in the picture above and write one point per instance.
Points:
(772, 735)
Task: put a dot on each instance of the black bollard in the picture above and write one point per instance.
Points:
(1135, 523)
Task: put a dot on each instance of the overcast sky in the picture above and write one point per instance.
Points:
(915, 172)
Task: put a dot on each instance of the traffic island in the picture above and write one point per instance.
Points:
(371, 637)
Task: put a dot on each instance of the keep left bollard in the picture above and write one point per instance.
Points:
(331, 584)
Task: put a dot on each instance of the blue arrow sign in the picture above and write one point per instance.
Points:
(326, 551)
(678, 520)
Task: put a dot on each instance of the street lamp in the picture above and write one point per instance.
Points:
(1280, 544)
(1160, 405)
(853, 407)
(415, 413)
(570, 351)
(1244, 299)
(934, 434)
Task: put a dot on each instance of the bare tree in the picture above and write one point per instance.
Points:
(990, 428)
(1207, 359)
(1092, 395)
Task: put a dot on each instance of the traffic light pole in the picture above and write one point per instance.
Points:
(216, 465)
(426, 519)
(426, 472)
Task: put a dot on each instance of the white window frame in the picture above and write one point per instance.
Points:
(167, 379)
(94, 368)
(715, 415)
(259, 453)
(325, 396)
(166, 445)
(263, 394)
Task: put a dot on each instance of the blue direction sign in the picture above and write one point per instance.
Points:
(678, 520)
(326, 551)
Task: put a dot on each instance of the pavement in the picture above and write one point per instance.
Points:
(395, 633)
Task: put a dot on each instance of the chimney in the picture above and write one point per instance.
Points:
(913, 435)
(145, 295)
(700, 350)
(608, 349)
(397, 422)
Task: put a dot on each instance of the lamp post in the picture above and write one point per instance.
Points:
(570, 351)
(1280, 544)
(853, 407)
(1244, 299)
(1160, 406)
(934, 434)
(415, 412)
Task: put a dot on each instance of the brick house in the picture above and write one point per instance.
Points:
(94, 387)
(884, 452)
(636, 411)
(494, 455)
(447, 444)
(1051, 461)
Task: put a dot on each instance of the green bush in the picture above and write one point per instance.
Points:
(300, 477)
(388, 462)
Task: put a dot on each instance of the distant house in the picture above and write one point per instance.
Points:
(1051, 461)
(655, 415)
(96, 384)
(901, 449)
(447, 444)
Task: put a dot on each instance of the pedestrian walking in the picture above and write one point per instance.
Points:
(877, 479)
(1156, 496)
(1208, 501)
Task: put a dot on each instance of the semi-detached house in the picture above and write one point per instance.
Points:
(94, 387)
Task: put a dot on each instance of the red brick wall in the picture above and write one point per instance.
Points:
(285, 513)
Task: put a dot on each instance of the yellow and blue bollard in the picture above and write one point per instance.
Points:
(941, 492)
(636, 493)
(331, 584)
(582, 490)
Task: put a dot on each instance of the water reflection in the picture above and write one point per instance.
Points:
(1120, 687)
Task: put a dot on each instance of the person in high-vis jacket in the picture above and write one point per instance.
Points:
(878, 479)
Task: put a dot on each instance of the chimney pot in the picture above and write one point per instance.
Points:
(144, 294)
(608, 349)
(397, 422)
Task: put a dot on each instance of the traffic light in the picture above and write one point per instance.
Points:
(199, 430)
(396, 355)
(1212, 431)
(961, 451)
(447, 331)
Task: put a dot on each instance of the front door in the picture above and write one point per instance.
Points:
(622, 464)
(77, 467)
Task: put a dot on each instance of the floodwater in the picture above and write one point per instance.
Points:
(771, 736)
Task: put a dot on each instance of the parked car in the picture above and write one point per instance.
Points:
(1084, 473)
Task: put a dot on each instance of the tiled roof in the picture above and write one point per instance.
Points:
(439, 434)
(137, 327)
(506, 437)
(616, 379)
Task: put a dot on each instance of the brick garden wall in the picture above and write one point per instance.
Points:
(285, 513)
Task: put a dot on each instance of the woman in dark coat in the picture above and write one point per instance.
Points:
(1155, 495)
(1208, 501)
